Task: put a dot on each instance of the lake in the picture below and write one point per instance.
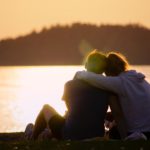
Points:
(24, 90)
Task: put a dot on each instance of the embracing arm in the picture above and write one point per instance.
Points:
(107, 83)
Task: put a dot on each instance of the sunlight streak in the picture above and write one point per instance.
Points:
(24, 91)
(39, 86)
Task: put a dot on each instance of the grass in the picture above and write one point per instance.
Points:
(15, 141)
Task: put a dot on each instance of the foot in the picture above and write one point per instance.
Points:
(29, 131)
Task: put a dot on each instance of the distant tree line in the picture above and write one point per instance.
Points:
(67, 45)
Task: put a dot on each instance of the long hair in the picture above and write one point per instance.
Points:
(116, 64)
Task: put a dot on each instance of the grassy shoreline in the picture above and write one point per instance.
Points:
(12, 136)
(16, 141)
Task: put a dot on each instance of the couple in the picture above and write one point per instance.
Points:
(87, 98)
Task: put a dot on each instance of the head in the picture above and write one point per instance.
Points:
(116, 64)
(96, 62)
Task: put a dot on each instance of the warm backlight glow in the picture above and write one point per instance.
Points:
(24, 91)
(37, 86)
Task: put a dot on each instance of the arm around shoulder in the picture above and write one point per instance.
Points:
(107, 83)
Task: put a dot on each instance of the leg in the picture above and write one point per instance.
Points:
(56, 124)
(42, 120)
(48, 112)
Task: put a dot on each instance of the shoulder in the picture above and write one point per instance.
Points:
(72, 87)
(75, 83)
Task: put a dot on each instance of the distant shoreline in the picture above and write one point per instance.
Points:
(68, 45)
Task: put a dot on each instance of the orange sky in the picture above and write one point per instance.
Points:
(22, 16)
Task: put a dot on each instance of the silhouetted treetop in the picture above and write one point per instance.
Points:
(68, 44)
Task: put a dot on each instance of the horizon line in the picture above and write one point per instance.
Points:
(70, 24)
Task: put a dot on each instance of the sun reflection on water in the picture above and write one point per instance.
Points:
(39, 86)
(24, 90)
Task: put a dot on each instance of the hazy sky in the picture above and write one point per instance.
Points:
(22, 16)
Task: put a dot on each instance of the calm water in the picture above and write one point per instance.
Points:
(24, 90)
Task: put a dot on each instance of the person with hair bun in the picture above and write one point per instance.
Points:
(133, 93)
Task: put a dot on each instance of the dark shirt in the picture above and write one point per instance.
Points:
(87, 107)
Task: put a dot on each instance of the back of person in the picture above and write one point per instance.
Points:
(136, 101)
(87, 107)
